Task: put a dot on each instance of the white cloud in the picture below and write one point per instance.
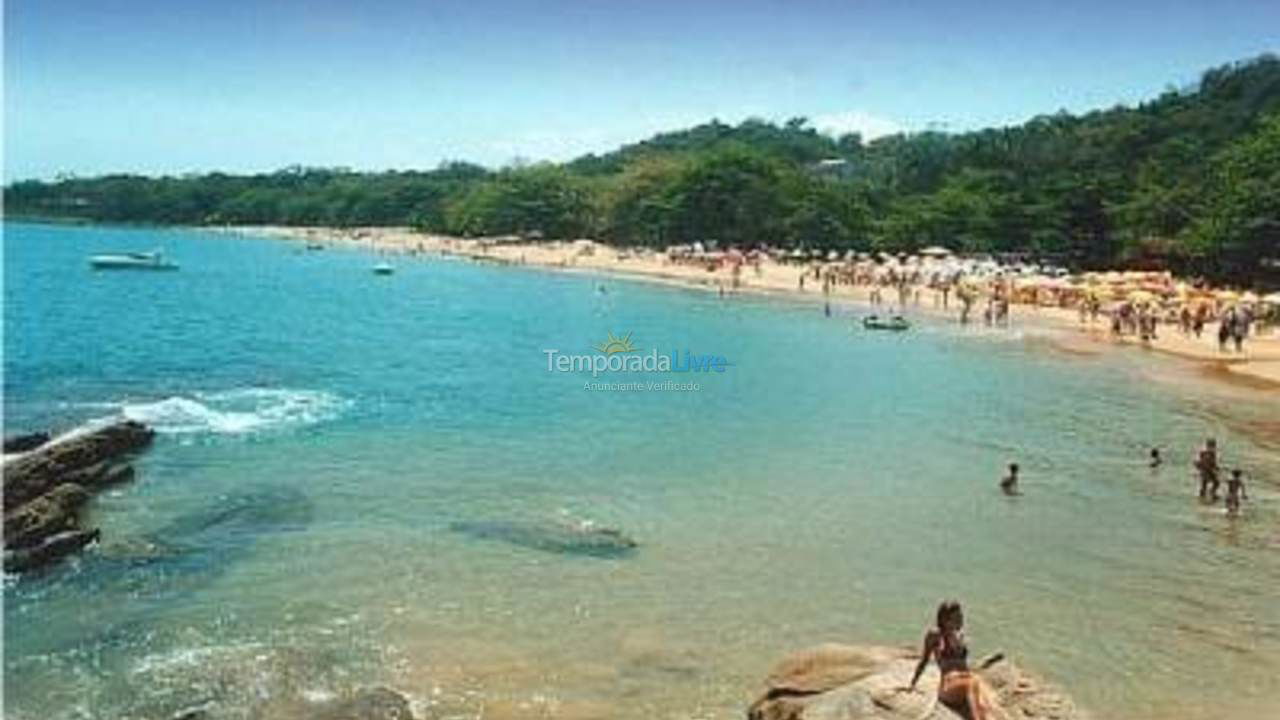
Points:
(864, 123)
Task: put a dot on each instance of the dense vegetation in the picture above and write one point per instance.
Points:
(1189, 180)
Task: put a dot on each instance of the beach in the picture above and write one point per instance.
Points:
(1257, 366)
(363, 480)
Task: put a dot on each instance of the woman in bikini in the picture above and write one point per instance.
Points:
(960, 689)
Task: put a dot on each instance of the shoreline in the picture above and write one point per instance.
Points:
(1256, 368)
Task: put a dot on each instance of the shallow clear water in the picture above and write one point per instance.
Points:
(832, 485)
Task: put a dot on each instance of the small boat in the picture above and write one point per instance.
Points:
(383, 269)
(875, 322)
(153, 260)
(313, 245)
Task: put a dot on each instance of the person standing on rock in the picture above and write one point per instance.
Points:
(959, 689)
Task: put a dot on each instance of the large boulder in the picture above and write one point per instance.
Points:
(856, 682)
(52, 512)
(47, 466)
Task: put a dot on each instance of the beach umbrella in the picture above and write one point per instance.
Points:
(935, 251)
(1141, 296)
(1227, 295)
(1272, 299)
(1249, 297)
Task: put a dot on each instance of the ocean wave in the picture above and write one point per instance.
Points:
(234, 412)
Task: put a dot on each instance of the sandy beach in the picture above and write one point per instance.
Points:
(1256, 367)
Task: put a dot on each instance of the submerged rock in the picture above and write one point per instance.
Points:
(370, 704)
(244, 515)
(23, 443)
(550, 536)
(854, 682)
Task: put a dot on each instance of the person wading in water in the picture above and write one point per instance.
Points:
(1207, 464)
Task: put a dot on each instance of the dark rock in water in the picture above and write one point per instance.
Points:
(53, 512)
(243, 514)
(556, 537)
(23, 443)
(853, 682)
(195, 548)
(48, 550)
(372, 704)
(40, 470)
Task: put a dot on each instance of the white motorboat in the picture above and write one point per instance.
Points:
(383, 269)
(131, 261)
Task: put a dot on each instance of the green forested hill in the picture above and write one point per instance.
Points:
(1190, 179)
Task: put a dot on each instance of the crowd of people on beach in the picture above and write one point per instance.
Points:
(1135, 303)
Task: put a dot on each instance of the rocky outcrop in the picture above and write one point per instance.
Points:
(52, 512)
(46, 551)
(855, 682)
(39, 471)
(45, 487)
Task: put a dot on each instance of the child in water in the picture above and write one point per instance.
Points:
(1235, 491)
(1009, 484)
(1207, 465)
(1156, 460)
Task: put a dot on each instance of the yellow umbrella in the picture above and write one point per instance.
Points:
(1141, 296)
(1227, 295)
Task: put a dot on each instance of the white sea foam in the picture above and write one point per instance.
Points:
(235, 412)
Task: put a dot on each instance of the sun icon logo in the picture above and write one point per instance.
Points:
(616, 345)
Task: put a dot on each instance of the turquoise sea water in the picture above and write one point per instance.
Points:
(289, 536)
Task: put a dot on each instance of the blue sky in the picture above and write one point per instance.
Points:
(173, 86)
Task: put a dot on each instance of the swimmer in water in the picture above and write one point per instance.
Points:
(1156, 460)
(1009, 484)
